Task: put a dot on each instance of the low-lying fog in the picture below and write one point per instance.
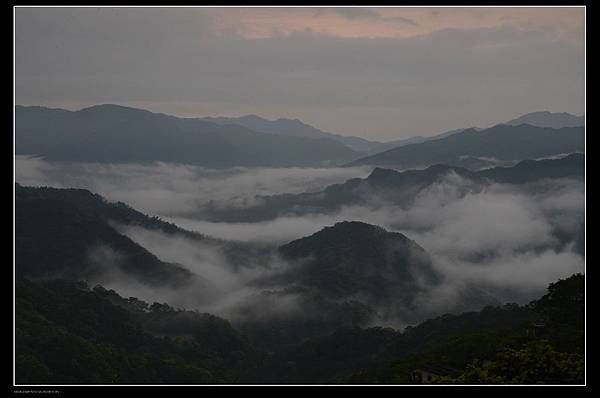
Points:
(506, 238)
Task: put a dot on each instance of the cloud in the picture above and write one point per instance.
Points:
(489, 221)
(176, 190)
(402, 20)
(222, 288)
(506, 241)
(188, 62)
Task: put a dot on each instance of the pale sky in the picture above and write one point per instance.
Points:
(380, 73)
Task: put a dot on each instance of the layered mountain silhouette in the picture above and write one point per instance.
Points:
(112, 133)
(419, 139)
(539, 119)
(348, 274)
(58, 230)
(330, 287)
(549, 119)
(390, 187)
(499, 143)
(572, 166)
(297, 128)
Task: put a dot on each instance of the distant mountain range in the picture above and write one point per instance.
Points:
(549, 119)
(526, 171)
(495, 144)
(296, 128)
(419, 139)
(113, 133)
(387, 186)
(538, 119)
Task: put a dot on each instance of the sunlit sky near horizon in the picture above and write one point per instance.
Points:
(381, 73)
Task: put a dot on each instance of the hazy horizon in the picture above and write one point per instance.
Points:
(415, 70)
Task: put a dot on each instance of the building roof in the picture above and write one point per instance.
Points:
(439, 369)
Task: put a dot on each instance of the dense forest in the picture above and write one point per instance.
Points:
(72, 330)
(70, 333)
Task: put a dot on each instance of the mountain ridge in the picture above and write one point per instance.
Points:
(113, 133)
(297, 128)
(501, 142)
(549, 119)
(392, 186)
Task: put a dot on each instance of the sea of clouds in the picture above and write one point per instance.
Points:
(509, 240)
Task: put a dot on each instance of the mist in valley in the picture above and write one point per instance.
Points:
(507, 241)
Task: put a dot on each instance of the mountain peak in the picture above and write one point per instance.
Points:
(346, 234)
(112, 110)
(470, 130)
(292, 121)
(553, 120)
(380, 173)
(356, 226)
(109, 107)
(353, 257)
(251, 117)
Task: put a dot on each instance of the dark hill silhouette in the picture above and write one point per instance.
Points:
(393, 187)
(549, 119)
(353, 258)
(58, 229)
(501, 142)
(383, 186)
(297, 128)
(112, 133)
(526, 171)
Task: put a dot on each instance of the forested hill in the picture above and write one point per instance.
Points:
(74, 233)
(541, 343)
(69, 233)
(68, 333)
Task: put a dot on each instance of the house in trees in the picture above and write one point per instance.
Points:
(426, 374)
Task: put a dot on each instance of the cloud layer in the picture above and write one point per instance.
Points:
(176, 189)
(506, 240)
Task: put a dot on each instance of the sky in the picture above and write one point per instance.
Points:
(379, 73)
